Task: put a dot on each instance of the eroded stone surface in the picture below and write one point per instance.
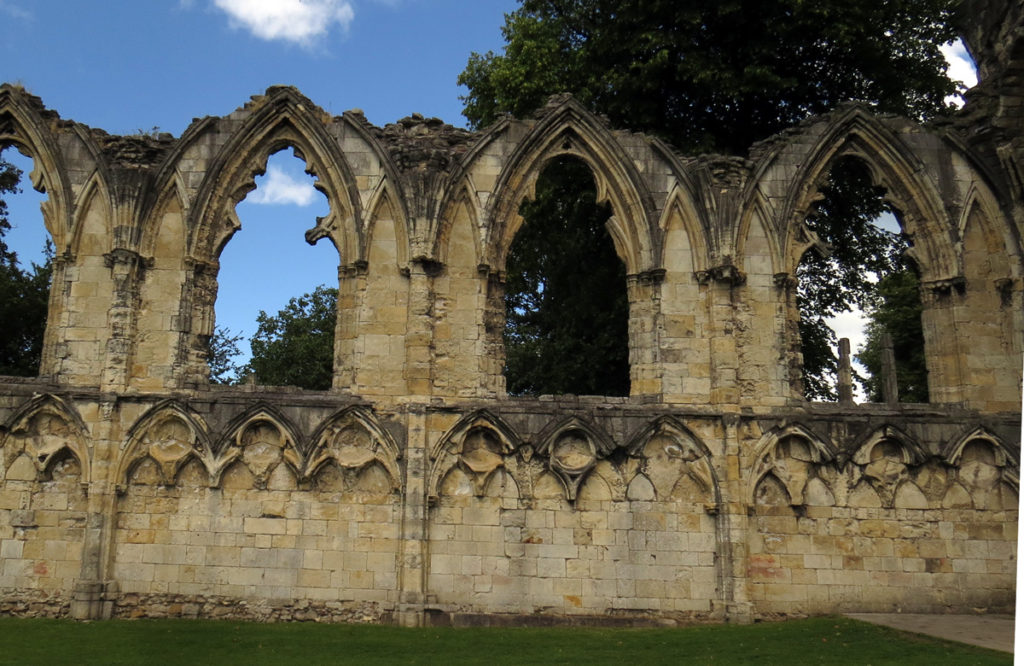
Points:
(416, 490)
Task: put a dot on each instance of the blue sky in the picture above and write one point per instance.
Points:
(126, 66)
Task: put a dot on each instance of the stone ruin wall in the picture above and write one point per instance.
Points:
(416, 490)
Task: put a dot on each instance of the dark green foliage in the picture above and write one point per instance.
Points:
(844, 220)
(24, 295)
(296, 347)
(898, 311)
(223, 348)
(565, 296)
(718, 75)
(821, 640)
(715, 75)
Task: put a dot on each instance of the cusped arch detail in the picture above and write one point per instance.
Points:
(952, 452)
(667, 462)
(479, 444)
(280, 119)
(568, 129)
(910, 452)
(791, 465)
(247, 438)
(856, 132)
(170, 434)
(45, 429)
(24, 123)
(354, 439)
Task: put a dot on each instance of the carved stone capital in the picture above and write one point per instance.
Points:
(726, 273)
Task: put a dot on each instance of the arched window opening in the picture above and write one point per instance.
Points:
(865, 289)
(567, 310)
(277, 296)
(26, 261)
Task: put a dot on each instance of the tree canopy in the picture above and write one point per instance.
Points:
(24, 294)
(296, 346)
(717, 76)
(565, 334)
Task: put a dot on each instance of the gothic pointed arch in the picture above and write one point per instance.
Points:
(679, 206)
(169, 434)
(45, 429)
(262, 437)
(279, 119)
(906, 448)
(671, 452)
(572, 448)
(478, 445)
(952, 452)
(790, 454)
(758, 211)
(567, 128)
(384, 197)
(459, 198)
(853, 131)
(94, 192)
(25, 123)
(353, 439)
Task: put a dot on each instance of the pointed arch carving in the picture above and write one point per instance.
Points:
(24, 123)
(886, 458)
(952, 453)
(45, 429)
(282, 118)
(791, 454)
(571, 449)
(907, 449)
(383, 196)
(170, 435)
(669, 453)
(569, 129)
(680, 205)
(855, 132)
(461, 196)
(354, 440)
(479, 445)
(262, 438)
(94, 190)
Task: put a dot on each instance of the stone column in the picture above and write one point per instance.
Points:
(645, 329)
(94, 592)
(351, 289)
(127, 269)
(942, 355)
(720, 283)
(413, 555)
(734, 528)
(419, 337)
(195, 323)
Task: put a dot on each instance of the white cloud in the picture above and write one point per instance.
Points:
(15, 11)
(301, 22)
(280, 188)
(961, 67)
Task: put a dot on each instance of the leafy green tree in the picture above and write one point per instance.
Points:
(24, 294)
(565, 334)
(715, 75)
(898, 312)
(296, 347)
(719, 75)
(861, 252)
(223, 349)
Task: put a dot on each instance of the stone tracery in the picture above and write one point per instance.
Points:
(416, 487)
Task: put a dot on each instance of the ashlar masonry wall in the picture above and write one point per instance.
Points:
(416, 490)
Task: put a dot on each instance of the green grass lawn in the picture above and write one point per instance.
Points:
(829, 640)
